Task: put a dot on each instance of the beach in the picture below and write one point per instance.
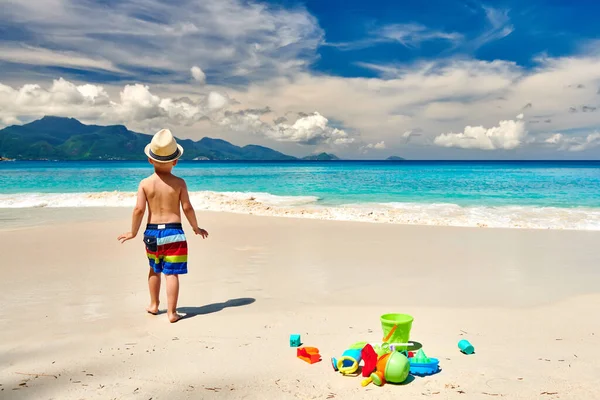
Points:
(74, 325)
(378, 200)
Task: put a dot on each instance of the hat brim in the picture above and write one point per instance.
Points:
(153, 158)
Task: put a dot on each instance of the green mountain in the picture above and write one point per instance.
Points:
(395, 158)
(321, 157)
(57, 138)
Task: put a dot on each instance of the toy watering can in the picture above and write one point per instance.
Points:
(348, 363)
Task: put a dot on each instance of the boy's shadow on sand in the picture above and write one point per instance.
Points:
(191, 312)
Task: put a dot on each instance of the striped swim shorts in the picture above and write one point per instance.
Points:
(166, 248)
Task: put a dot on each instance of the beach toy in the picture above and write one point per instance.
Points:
(369, 360)
(466, 347)
(396, 328)
(309, 354)
(295, 341)
(421, 365)
(392, 367)
(348, 363)
(401, 347)
(377, 376)
(420, 357)
(389, 334)
(382, 349)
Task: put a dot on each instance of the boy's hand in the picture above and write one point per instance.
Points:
(202, 232)
(125, 237)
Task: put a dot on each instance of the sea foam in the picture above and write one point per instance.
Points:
(308, 207)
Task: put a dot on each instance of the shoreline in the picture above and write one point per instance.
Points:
(37, 217)
(308, 207)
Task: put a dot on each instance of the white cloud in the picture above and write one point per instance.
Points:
(412, 133)
(216, 101)
(413, 34)
(9, 120)
(592, 140)
(312, 129)
(574, 143)
(554, 139)
(252, 39)
(376, 146)
(136, 104)
(409, 35)
(62, 98)
(436, 97)
(499, 27)
(24, 54)
(198, 74)
(507, 135)
(476, 93)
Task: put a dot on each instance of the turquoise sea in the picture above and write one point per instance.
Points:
(540, 194)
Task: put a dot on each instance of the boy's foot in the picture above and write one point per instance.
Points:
(152, 310)
(174, 317)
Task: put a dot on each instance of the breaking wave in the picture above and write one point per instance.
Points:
(309, 207)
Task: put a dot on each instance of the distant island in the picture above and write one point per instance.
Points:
(395, 158)
(321, 157)
(58, 138)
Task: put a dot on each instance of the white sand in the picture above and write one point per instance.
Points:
(73, 306)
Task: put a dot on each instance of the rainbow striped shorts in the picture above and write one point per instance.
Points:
(166, 248)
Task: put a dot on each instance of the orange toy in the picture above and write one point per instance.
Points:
(378, 375)
(309, 354)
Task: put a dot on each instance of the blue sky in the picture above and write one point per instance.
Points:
(508, 30)
(362, 79)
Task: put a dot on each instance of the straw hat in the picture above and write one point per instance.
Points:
(163, 148)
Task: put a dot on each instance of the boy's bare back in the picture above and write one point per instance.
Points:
(164, 194)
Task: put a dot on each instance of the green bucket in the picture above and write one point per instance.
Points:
(402, 332)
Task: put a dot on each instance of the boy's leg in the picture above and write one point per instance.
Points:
(174, 253)
(155, 262)
(154, 287)
(172, 296)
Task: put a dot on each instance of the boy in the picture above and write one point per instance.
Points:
(166, 245)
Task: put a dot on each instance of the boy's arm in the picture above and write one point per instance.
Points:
(138, 214)
(188, 210)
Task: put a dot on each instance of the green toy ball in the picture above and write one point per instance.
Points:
(397, 368)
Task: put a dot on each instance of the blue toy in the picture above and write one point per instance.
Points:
(295, 341)
(348, 363)
(424, 369)
(466, 347)
(421, 365)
